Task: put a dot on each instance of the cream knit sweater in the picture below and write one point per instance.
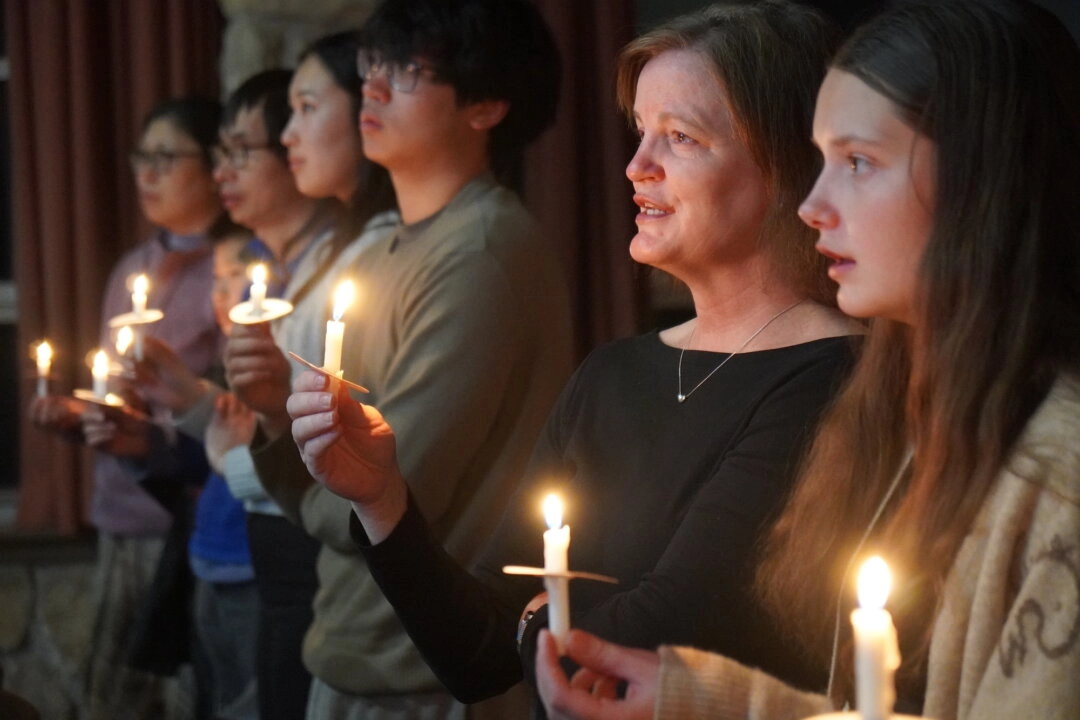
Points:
(1006, 643)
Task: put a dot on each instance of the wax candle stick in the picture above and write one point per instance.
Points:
(44, 355)
(125, 337)
(335, 328)
(139, 288)
(556, 543)
(876, 652)
(258, 288)
(100, 370)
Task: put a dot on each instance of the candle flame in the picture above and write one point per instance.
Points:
(140, 285)
(100, 367)
(553, 511)
(874, 584)
(44, 354)
(258, 274)
(124, 338)
(343, 297)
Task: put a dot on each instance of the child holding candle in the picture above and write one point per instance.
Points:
(950, 132)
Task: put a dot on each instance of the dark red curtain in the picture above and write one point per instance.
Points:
(82, 75)
(575, 182)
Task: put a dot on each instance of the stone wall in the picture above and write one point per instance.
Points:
(45, 620)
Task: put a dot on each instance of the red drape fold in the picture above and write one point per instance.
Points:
(82, 75)
(575, 181)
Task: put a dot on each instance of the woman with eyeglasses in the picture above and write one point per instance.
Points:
(176, 189)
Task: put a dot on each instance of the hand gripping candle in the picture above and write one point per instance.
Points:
(876, 652)
(556, 543)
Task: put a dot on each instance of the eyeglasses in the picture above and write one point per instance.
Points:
(237, 155)
(402, 78)
(160, 161)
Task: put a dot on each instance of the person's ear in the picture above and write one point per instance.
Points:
(486, 114)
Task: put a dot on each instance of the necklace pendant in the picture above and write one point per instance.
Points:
(680, 397)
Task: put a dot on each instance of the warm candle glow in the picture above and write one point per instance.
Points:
(44, 353)
(100, 371)
(553, 511)
(343, 298)
(124, 338)
(258, 287)
(139, 288)
(874, 583)
(876, 652)
(556, 565)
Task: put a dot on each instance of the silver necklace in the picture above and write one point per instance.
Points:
(681, 397)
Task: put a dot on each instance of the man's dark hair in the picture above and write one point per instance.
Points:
(485, 49)
(270, 90)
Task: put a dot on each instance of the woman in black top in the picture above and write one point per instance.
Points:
(674, 449)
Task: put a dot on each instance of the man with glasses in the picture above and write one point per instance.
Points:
(277, 587)
(463, 336)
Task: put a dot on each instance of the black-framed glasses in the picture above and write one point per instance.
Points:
(160, 161)
(236, 155)
(402, 78)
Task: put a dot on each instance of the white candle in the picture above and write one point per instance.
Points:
(876, 652)
(258, 288)
(124, 339)
(44, 354)
(556, 543)
(335, 328)
(100, 371)
(139, 287)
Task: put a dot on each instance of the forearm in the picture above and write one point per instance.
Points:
(696, 684)
(467, 638)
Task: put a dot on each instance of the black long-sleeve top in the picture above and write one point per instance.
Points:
(670, 498)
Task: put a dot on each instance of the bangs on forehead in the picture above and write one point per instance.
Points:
(399, 37)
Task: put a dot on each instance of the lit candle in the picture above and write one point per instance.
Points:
(124, 338)
(556, 543)
(100, 371)
(876, 652)
(258, 288)
(139, 287)
(335, 328)
(44, 354)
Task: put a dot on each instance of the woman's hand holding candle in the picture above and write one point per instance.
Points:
(590, 693)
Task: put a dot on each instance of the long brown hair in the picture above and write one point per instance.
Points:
(992, 83)
(770, 58)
